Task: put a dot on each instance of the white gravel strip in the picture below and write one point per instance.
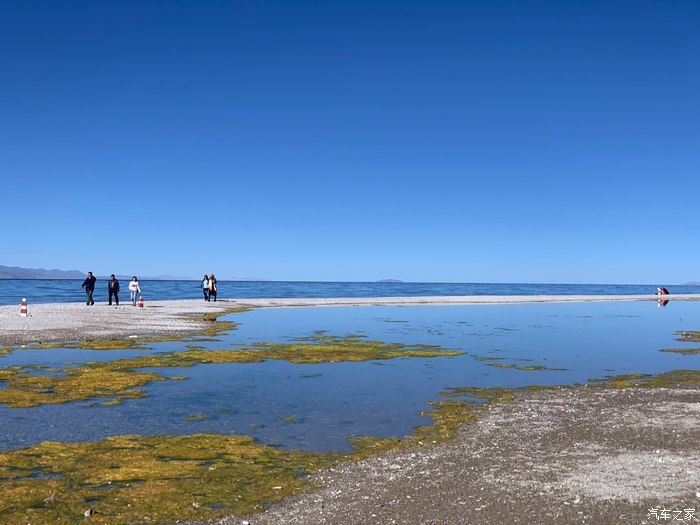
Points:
(71, 321)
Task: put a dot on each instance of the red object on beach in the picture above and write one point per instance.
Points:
(140, 305)
(23, 310)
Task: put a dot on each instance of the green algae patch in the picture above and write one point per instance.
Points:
(134, 479)
(217, 327)
(525, 368)
(688, 336)
(487, 358)
(447, 415)
(122, 377)
(329, 349)
(23, 389)
(682, 351)
(5, 351)
(197, 417)
(667, 379)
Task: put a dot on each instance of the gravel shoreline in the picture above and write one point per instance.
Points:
(576, 455)
(60, 322)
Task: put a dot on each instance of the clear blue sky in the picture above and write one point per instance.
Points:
(529, 141)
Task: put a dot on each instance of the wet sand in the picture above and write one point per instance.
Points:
(60, 322)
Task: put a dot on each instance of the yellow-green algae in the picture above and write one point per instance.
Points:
(122, 377)
(527, 368)
(160, 479)
(135, 479)
(666, 379)
(197, 417)
(683, 351)
(689, 336)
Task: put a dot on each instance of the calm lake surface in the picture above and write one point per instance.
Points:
(68, 290)
(331, 402)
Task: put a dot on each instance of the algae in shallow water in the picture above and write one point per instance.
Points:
(682, 351)
(121, 378)
(197, 417)
(160, 479)
(666, 379)
(689, 336)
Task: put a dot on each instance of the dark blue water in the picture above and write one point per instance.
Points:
(55, 291)
(333, 401)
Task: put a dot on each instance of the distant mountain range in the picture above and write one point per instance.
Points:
(15, 272)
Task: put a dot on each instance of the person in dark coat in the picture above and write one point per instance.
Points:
(113, 289)
(89, 285)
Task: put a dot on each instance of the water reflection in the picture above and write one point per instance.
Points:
(317, 407)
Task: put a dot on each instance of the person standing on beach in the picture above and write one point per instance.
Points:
(89, 285)
(135, 289)
(213, 287)
(113, 289)
(205, 287)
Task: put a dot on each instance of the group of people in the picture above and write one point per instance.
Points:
(209, 287)
(112, 289)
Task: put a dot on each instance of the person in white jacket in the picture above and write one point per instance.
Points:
(135, 289)
(205, 287)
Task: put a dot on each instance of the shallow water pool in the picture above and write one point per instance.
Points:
(317, 407)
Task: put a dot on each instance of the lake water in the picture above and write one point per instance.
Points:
(67, 290)
(331, 402)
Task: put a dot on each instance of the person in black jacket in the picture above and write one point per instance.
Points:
(89, 285)
(113, 289)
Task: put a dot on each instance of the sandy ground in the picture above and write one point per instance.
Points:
(578, 455)
(71, 321)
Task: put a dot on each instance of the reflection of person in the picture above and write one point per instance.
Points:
(213, 286)
(662, 302)
(113, 289)
(89, 285)
(135, 289)
(205, 287)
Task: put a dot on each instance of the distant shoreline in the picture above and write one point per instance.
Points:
(61, 322)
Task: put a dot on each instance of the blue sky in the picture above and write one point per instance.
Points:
(497, 141)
